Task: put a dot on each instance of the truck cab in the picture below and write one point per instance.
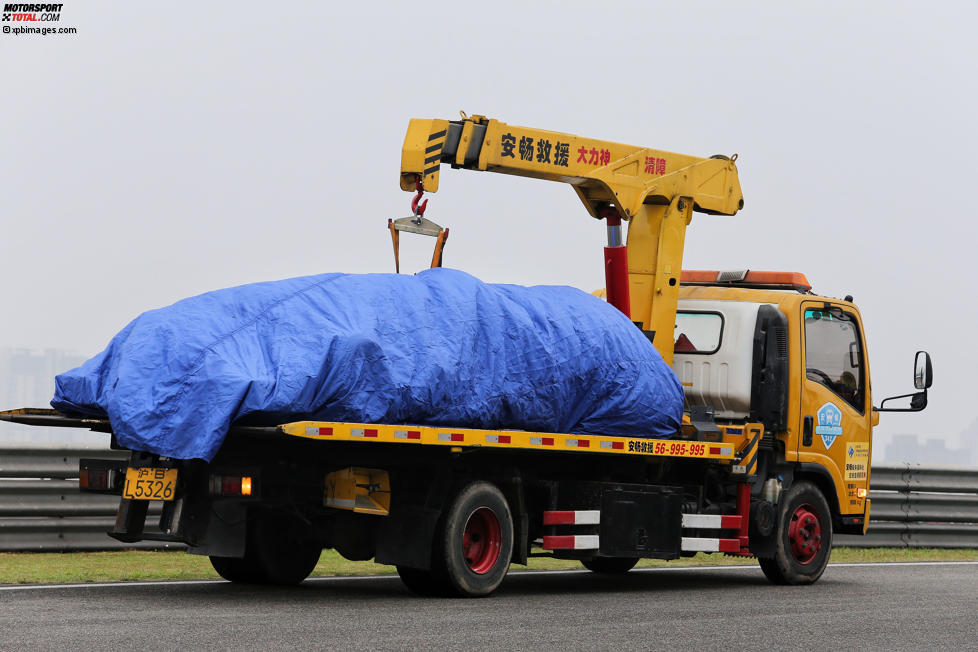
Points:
(761, 347)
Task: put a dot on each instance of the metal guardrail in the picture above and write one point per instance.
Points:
(41, 508)
(910, 477)
(914, 506)
(49, 461)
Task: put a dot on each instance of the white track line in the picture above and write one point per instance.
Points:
(346, 578)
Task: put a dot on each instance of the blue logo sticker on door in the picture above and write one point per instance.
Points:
(829, 424)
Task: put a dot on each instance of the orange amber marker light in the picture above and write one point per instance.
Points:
(861, 493)
(246, 486)
(747, 278)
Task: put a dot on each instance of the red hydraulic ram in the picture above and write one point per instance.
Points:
(616, 264)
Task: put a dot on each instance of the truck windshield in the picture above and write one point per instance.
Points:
(833, 354)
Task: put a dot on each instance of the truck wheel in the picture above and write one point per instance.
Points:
(234, 569)
(280, 549)
(803, 537)
(284, 548)
(474, 544)
(610, 565)
(423, 582)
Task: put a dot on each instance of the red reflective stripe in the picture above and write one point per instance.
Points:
(371, 432)
(548, 441)
(618, 445)
(325, 431)
(559, 542)
(715, 450)
(457, 436)
(558, 518)
(729, 545)
(730, 522)
(504, 439)
(583, 443)
(414, 434)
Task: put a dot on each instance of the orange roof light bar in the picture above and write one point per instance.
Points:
(747, 278)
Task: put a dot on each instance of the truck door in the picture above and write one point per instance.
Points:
(835, 411)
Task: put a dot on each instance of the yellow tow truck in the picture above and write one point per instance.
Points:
(772, 458)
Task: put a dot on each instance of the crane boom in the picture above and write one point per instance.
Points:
(654, 190)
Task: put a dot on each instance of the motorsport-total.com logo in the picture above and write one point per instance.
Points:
(29, 13)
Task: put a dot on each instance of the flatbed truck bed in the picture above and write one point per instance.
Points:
(731, 443)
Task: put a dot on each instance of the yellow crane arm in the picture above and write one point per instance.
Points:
(603, 173)
(654, 190)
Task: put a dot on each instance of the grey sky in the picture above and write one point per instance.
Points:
(168, 149)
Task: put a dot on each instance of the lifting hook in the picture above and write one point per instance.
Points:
(415, 208)
(417, 223)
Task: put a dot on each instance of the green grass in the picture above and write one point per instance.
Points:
(39, 568)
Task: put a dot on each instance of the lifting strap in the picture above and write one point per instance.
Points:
(396, 239)
(422, 226)
(440, 241)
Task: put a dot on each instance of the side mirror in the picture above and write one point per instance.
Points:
(923, 377)
(923, 372)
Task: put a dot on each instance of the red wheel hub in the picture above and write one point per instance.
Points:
(481, 540)
(805, 534)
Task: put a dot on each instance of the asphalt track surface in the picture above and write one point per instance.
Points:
(921, 606)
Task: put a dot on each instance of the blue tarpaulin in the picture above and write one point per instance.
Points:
(440, 348)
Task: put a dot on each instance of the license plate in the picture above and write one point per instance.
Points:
(150, 484)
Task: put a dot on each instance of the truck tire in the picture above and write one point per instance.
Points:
(425, 583)
(234, 569)
(803, 537)
(284, 547)
(474, 542)
(280, 549)
(610, 565)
